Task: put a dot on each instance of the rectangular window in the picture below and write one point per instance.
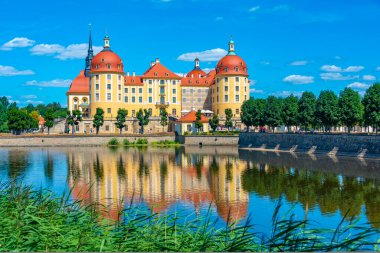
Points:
(199, 100)
(217, 89)
(183, 100)
(237, 111)
(97, 86)
(236, 88)
(108, 110)
(133, 99)
(174, 112)
(133, 113)
(150, 99)
(225, 98)
(126, 99)
(237, 79)
(245, 88)
(108, 77)
(140, 90)
(226, 79)
(119, 97)
(97, 97)
(174, 82)
(174, 91)
(217, 99)
(140, 99)
(119, 77)
(237, 98)
(162, 81)
(162, 90)
(133, 90)
(108, 86)
(119, 87)
(150, 90)
(107, 128)
(174, 100)
(150, 81)
(97, 77)
(109, 96)
(225, 88)
(125, 90)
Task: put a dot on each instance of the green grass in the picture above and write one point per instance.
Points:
(114, 142)
(165, 143)
(139, 142)
(37, 220)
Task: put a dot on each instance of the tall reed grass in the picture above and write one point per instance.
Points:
(38, 220)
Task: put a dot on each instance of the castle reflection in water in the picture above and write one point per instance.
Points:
(160, 178)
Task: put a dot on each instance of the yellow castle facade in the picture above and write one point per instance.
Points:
(104, 84)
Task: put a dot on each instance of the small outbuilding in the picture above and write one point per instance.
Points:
(187, 123)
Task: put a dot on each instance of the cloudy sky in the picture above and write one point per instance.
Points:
(290, 46)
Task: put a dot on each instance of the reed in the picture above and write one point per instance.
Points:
(38, 220)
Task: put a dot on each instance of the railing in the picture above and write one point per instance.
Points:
(162, 94)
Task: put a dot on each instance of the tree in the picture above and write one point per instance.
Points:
(306, 110)
(121, 119)
(98, 120)
(273, 111)
(143, 118)
(19, 120)
(259, 112)
(4, 103)
(247, 113)
(289, 113)
(214, 122)
(327, 109)
(351, 108)
(198, 118)
(371, 103)
(73, 119)
(49, 119)
(228, 122)
(163, 118)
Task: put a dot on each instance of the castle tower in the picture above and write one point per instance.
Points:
(90, 55)
(231, 86)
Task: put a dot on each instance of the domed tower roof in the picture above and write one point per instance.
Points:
(197, 71)
(107, 60)
(231, 64)
(80, 84)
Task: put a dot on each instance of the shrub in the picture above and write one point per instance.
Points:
(142, 141)
(113, 142)
(126, 142)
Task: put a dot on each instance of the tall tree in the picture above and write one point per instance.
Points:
(143, 118)
(49, 119)
(214, 122)
(327, 109)
(371, 102)
(289, 113)
(259, 112)
(351, 108)
(163, 118)
(198, 118)
(73, 119)
(4, 103)
(19, 120)
(121, 119)
(306, 110)
(247, 113)
(98, 120)
(273, 111)
(228, 123)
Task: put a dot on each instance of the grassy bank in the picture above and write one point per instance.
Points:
(37, 220)
(142, 142)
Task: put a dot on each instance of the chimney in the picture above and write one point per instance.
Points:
(128, 73)
(152, 64)
(157, 60)
(192, 75)
(133, 73)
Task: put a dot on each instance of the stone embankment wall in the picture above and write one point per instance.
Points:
(79, 140)
(362, 145)
(209, 140)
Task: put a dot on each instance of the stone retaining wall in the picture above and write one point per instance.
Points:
(314, 143)
(67, 140)
(209, 140)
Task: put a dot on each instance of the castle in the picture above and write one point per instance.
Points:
(104, 84)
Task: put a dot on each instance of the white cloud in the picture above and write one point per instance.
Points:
(253, 90)
(336, 77)
(286, 93)
(265, 63)
(358, 85)
(17, 42)
(33, 102)
(369, 78)
(254, 9)
(298, 79)
(73, 51)
(12, 71)
(52, 83)
(181, 74)
(208, 55)
(333, 68)
(207, 70)
(29, 97)
(298, 63)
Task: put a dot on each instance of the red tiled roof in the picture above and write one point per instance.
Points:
(234, 65)
(204, 81)
(160, 71)
(106, 58)
(80, 85)
(196, 73)
(191, 117)
(133, 80)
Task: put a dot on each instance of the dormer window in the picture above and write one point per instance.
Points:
(97, 66)
(225, 69)
(155, 74)
(197, 82)
(108, 66)
(118, 66)
(237, 69)
(133, 80)
(166, 74)
(102, 60)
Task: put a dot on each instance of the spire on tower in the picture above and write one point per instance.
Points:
(197, 65)
(90, 53)
(106, 41)
(231, 47)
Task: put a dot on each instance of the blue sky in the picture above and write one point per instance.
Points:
(290, 46)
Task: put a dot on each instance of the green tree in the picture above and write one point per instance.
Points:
(49, 119)
(19, 120)
(306, 110)
(198, 122)
(228, 123)
(371, 102)
(98, 120)
(121, 119)
(73, 119)
(259, 112)
(289, 113)
(4, 103)
(163, 118)
(327, 109)
(214, 122)
(273, 111)
(143, 118)
(350, 107)
(247, 113)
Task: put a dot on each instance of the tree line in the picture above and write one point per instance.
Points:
(311, 113)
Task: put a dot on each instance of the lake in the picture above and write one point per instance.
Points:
(230, 183)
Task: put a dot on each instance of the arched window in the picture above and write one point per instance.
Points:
(75, 100)
(225, 69)
(236, 69)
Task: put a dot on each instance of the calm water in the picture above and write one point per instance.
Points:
(188, 179)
